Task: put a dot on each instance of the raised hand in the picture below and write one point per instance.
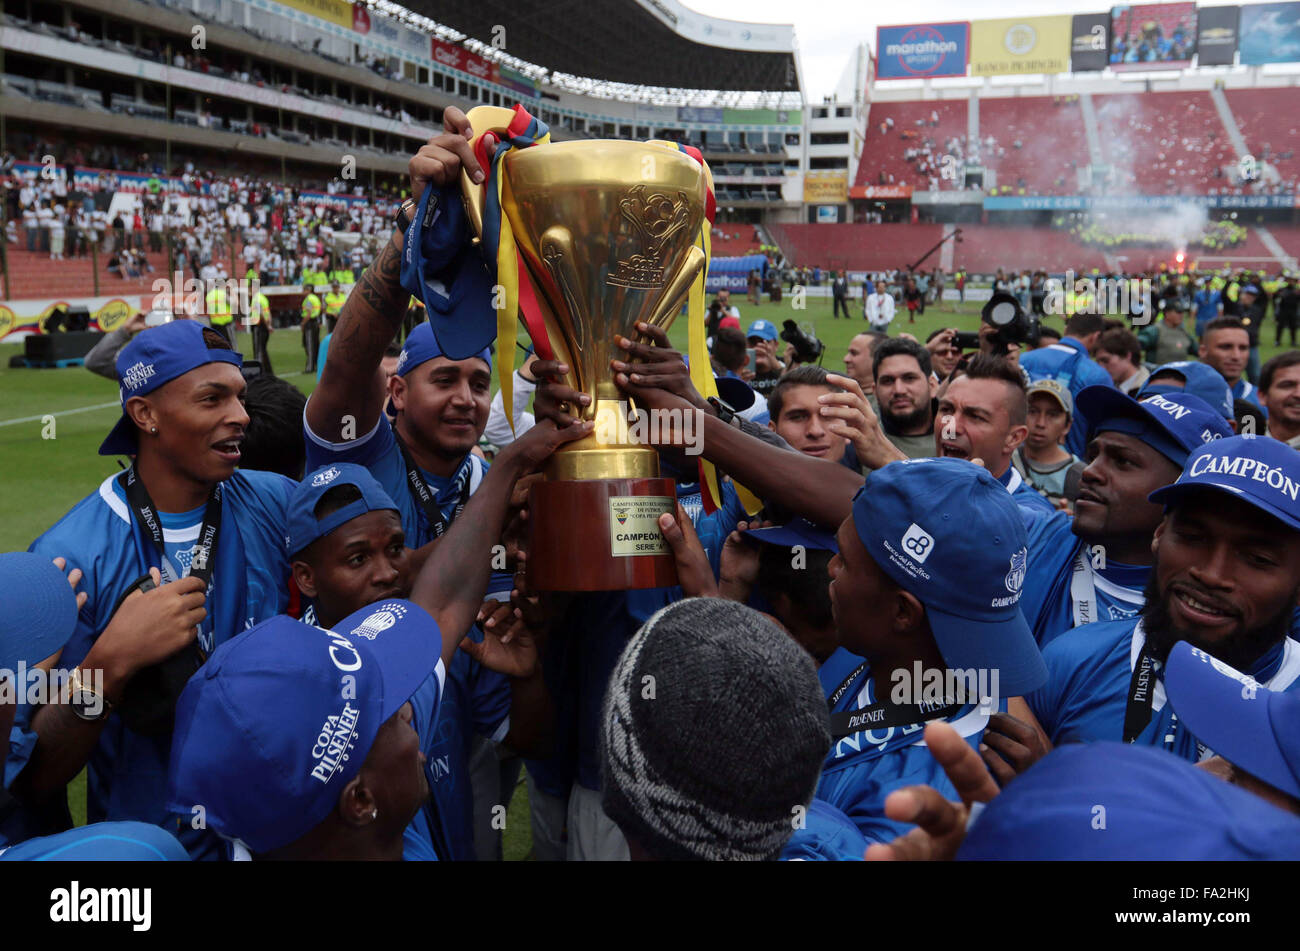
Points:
(693, 571)
(849, 414)
(941, 823)
(439, 161)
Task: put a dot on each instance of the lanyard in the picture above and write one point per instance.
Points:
(879, 716)
(205, 549)
(426, 498)
(1083, 590)
(1141, 693)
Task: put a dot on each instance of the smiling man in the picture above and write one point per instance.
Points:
(1226, 579)
(1279, 386)
(184, 513)
(1095, 566)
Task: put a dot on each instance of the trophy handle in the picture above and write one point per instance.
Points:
(482, 119)
(679, 288)
(556, 247)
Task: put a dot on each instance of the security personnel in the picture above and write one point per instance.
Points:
(343, 275)
(334, 301)
(218, 310)
(311, 311)
(259, 322)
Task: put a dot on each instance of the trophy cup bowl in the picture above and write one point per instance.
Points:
(607, 233)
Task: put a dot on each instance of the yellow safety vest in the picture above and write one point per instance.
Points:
(334, 303)
(260, 310)
(218, 307)
(311, 307)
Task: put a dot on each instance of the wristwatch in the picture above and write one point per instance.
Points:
(82, 699)
(404, 212)
(725, 412)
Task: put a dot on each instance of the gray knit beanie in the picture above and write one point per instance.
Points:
(713, 734)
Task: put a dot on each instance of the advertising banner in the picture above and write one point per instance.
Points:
(1152, 36)
(1020, 46)
(1079, 202)
(338, 12)
(823, 188)
(22, 317)
(1216, 35)
(1089, 41)
(1270, 33)
(881, 191)
(455, 57)
(922, 51)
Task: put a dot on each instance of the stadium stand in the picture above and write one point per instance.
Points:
(1167, 143)
(1266, 118)
(922, 129)
(1022, 142)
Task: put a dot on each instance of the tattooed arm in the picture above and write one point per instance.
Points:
(351, 382)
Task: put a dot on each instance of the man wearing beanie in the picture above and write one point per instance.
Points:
(713, 733)
(924, 591)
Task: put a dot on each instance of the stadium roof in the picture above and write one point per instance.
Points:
(638, 42)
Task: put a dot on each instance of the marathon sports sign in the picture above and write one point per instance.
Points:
(458, 58)
(922, 51)
(1077, 202)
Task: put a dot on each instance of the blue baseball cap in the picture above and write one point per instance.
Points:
(1199, 379)
(281, 718)
(1250, 289)
(154, 357)
(420, 347)
(798, 531)
(1118, 801)
(949, 533)
(1240, 719)
(101, 842)
(1258, 470)
(1174, 424)
(38, 612)
(448, 275)
(761, 328)
(305, 528)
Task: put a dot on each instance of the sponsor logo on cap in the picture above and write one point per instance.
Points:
(402, 359)
(380, 621)
(138, 375)
(1244, 467)
(1167, 406)
(1016, 576)
(334, 742)
(917, 543)
(324, 478)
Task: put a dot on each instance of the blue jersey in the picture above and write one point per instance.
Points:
(1089, 670)
(861, 769)
(127, 773)
(423, 840)
(1067, 362)
(1069, 585)
(1033, 504)
(1243, 389)
(1207, 304)
(476, 700)
(826, 835)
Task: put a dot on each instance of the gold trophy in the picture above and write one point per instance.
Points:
(606, 230)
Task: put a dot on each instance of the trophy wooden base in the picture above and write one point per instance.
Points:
(600, 535)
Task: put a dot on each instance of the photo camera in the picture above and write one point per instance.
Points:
(807, 347)
(1004, 313)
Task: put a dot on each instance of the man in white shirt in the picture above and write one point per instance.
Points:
(879, 309)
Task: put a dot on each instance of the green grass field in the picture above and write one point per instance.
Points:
(52, 421)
